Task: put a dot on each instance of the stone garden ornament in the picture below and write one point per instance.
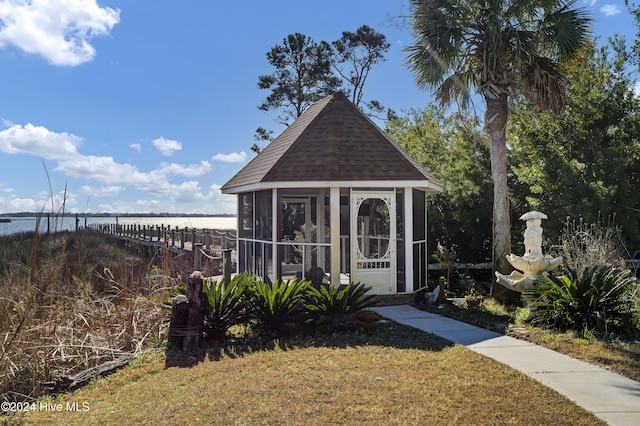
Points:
(533, 263)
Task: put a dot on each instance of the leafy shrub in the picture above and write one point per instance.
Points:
(276, 306)
(226, 306)
(333, 309)
(601, 299)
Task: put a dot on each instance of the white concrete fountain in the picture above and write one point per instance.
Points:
(533, 263)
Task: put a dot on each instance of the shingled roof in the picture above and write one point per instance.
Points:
(332, 141)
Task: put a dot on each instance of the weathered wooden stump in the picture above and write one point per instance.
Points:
(195, 318)
(178, 323)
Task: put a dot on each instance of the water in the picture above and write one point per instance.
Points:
(28, 224)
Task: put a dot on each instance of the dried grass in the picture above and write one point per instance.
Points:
(392, 375)
(587, 245)
(60, 313)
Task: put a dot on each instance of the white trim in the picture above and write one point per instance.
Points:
(334, 225)
(320, 227)
(274, 233)
(425, 185)
(408, 239)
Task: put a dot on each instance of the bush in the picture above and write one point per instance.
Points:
(277, 306)
(226, 306)
(586, 246)
(601, 298)
(333, 309)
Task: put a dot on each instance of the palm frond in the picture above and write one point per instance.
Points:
(544, 85)
(497, 47)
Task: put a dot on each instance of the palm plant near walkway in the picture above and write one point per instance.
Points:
(499, 48)
(599, 298)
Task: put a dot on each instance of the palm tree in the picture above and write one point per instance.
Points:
(501, 48)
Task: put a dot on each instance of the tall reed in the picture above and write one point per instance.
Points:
(70, 301)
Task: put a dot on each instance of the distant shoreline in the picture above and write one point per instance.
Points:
(120, 215)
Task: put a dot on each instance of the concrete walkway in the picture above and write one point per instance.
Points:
(610, 396)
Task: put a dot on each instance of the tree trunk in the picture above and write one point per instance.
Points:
(496, 122)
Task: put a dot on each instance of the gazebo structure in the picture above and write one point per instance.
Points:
(333, 198)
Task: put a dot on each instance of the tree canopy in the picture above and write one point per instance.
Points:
(584, 162)
(580, 164)
(362, 50)
(302, 75)
(306, 71)
(456, 150)
(498, 48)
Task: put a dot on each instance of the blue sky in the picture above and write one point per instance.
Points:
(150, 106)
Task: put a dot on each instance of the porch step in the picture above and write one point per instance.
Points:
(396, 299)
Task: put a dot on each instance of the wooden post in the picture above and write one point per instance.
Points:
(178, 322)
(206, 240)
(226, 266)
(197, 256)
(195, 319)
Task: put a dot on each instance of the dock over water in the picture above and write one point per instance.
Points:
(202, 244)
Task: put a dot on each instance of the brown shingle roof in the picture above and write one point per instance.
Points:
(331, 141)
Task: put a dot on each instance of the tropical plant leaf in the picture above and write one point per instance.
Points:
(601, 298)
(226, 306)
(275, 306)
(335, 309)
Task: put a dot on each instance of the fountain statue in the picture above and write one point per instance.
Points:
(533, 263)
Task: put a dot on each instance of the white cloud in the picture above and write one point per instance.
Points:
(102, 191)
(138, 206)
(234, 157)
(108, 171)
(136, 147)
(192, 170)
(5, 188)
(43, 201)
(187, 192)
(57, 30)
(222, 202)
(21, 205)
(157, 190)
(610, 9)
(166, 147)
(38, 141)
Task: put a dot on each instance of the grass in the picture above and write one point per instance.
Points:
(621, 356)
(391, 374)
(70, 301)
(61, 311)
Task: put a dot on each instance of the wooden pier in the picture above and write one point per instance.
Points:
(209, 243)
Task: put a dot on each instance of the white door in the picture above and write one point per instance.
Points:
(373, 240)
